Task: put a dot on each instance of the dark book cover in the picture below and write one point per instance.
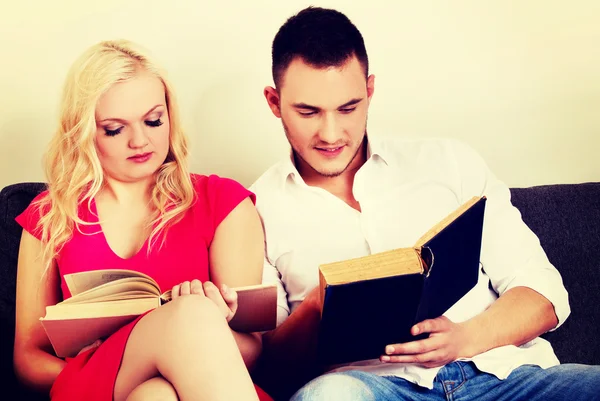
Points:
(360, 318)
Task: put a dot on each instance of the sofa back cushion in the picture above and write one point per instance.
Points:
(566, 218)
(13, 200)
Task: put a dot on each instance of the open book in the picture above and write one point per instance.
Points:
(373, 301)
(103, 301)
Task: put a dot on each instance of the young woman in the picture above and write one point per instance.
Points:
(120, 196)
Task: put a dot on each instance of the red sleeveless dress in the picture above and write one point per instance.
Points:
(183, 257)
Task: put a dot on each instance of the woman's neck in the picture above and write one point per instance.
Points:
(126, 193)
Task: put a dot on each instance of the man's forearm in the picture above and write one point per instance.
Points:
(518, 316)
(250, 346)
(289, 352)
(295, 340)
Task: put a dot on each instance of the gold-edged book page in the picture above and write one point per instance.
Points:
(114, 288)
(379, 265)
(83, 281)
(100, 309)
(116, 297)
(446, 221)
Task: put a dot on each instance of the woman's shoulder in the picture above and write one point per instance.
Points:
(30, 217)
(214, 185)
(218, 195)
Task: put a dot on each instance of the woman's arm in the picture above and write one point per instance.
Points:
(236, 259)
(35, 364)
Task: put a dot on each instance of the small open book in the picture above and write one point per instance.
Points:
(103, 301)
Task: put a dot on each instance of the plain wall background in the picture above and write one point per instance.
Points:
(517, 80)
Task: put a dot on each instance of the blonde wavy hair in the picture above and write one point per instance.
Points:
(72, 166)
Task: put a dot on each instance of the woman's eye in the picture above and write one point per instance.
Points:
(112, 132)
(154, 123)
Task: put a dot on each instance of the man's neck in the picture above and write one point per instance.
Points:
(341, 186)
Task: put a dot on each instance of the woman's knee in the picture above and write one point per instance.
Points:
(335, 386)
(155, 389)
(195, 311)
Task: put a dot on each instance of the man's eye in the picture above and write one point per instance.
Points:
(307, 113)
(348, 110)
(154, 123)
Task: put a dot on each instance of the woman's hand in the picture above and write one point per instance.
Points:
(95, 344)
(225, 298)
(187, 288)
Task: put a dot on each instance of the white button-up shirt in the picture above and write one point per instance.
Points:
(404, 188)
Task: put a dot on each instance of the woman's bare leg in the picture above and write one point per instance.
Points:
(155, 389)
(189, 343)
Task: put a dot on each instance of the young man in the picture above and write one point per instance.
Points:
(342, 194)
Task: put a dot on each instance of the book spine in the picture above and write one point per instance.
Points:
(322, 287)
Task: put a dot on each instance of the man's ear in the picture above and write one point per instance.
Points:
(370, 86)
(272, 97)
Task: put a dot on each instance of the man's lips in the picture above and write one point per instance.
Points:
(330, 151)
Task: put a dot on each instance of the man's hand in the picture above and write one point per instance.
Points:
(447, 342)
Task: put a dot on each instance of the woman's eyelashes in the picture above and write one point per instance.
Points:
(150, 123)
(113, 132)
(154, 123)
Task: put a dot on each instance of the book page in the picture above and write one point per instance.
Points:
(101, 309)
(83, 281)
(114, 288)
(446, 221)
(122, 296)
(378, 265)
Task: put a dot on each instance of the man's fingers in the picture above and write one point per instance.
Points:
(414, 347)
(430, 326)
(428, 359)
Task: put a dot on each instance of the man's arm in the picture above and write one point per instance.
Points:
(518, 270)
(289, 351)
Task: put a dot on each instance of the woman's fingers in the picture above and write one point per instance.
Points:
(213, 293)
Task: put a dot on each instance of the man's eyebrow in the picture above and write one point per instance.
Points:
(315, 108)
(305, 106)
(120, 120)
(351, 103)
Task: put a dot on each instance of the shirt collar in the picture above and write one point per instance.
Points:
(375, 148)
(289, 171)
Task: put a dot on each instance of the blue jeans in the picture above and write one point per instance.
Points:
(460, 381)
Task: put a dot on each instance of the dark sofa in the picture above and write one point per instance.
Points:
(565, 217)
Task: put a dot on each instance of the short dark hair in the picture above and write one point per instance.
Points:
(321, 38)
